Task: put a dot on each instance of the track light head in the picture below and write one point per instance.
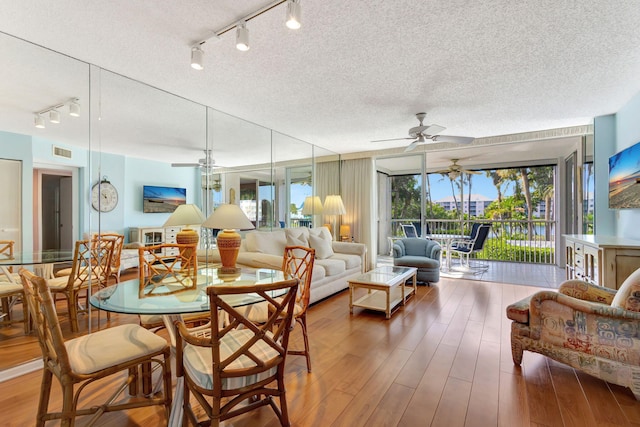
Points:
(54, 116)
(242, 36)
(74, 108)
(197, 56)
(293, 14)
(38, 121)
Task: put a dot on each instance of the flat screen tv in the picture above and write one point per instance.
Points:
(162, 199)
(624, 178)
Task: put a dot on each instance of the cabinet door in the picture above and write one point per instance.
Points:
(625, 265)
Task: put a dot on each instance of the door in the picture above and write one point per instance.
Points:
(56, 210)
(571, 196)
(11, 206)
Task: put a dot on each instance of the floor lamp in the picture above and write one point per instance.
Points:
(333, 206)
(312, 206)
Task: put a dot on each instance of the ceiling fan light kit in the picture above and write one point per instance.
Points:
(422, 134)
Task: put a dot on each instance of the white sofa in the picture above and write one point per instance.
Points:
(335, 262)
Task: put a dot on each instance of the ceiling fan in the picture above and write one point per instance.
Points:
(206, 163)
(454, 170)
(421, 134)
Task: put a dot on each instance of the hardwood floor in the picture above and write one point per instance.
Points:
(442, 360)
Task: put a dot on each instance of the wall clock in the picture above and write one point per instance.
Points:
(104, 196)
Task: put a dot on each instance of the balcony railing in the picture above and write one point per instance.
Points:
(509, 240)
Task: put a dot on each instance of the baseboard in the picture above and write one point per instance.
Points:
(19, 370)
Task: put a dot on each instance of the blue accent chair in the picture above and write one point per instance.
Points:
(423, 254)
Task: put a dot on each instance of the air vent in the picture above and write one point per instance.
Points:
(61, 152)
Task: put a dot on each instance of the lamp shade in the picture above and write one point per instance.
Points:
(333, 205)
(345, 232)
(187, 214)
(228, 217)
(312, 206)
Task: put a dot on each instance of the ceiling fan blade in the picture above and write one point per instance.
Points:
(433, 130)
(412, 146)
(393, 139)
(454, 139)
(185, 165)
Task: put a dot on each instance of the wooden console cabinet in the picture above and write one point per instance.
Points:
(149, 236)
(601, 260)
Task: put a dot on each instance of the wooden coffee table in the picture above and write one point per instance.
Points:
(386, 288)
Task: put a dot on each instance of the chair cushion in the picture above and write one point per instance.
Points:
(417, 261)
(198, 362)
(8, 288)
(322, 246)
(628, 295)
(110, 347)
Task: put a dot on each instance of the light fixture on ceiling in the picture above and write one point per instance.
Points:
(242, 32)
(38, 121)
(197, 56)
(74, 108)
(54, 113)
(242, 36)
(54, 116)
(293, 14)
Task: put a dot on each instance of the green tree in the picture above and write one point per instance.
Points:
(405, 197)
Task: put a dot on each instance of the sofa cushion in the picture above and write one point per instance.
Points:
(268, 242)
(300, 233)
(628, 295)
(318, 273)
(295, 241)
(321, 245)
(332, 267)
(350, 261)
(322, 232)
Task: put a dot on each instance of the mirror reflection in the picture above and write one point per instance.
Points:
(94, 171)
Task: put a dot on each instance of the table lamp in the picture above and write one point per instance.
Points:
(333, 206)
(228, 218)
(186, 215)
(345, 233)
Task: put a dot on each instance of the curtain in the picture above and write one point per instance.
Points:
(358, 179)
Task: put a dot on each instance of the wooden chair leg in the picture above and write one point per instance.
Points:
(303, 324)
(45, 392)
(72, 303)
(68, 407)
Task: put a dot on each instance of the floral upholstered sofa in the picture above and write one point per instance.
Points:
(335, 262)
(591, 328)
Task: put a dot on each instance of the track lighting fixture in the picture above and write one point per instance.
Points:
(54, 116)
(74, 108)
(38, 121)
(54, 113)
(293, 14)
(197, 55)
(293, 21)
(242, 36)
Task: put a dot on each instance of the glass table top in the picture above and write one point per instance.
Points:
(385, 274)
(32, 258)
(124, 298)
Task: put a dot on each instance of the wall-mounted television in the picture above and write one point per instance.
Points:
(624, 178)
(162, 199)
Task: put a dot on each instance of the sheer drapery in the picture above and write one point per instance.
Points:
(359, 197)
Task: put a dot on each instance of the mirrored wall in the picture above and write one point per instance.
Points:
(133, 136)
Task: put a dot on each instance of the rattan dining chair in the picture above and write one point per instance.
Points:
(233, 370)
(81, 361)
(11, 292)
(91, 266)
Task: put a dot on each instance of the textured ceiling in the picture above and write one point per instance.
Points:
(358, 71)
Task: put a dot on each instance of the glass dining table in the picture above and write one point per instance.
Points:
(45, 260)
(124, 297)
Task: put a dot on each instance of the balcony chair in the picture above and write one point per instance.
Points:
(231, 370)
(424, 254)
(89, 358)
(91, 265)
(590, 328)
(409, 231)
(464, 248)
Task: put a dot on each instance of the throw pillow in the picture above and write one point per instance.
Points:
(628, 296)
(301, 233)
(322, 246)
(294, 241)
